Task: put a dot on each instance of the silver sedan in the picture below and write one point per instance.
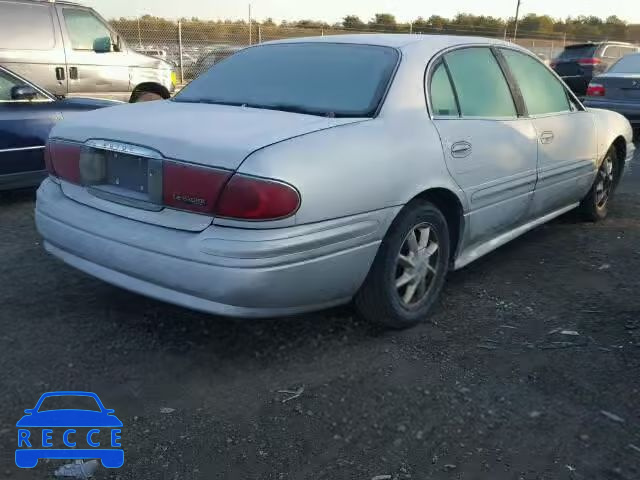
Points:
(306, 173)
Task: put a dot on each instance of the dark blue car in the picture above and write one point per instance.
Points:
(37, 429)
(27, 114)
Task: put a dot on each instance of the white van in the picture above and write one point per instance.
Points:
(71, 50)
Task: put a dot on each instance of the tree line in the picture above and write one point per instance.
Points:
(535, 26)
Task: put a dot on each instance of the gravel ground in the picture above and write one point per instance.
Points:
(489, 388)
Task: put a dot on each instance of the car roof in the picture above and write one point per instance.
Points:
(425, 45)
(61, 2)
(596, 44)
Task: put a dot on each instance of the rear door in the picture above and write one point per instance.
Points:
(489, 149)
(567, 144)
(91, 72)
(24, 128)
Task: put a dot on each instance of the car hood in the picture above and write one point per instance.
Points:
(69, 418)
(213, 135)
(142, 60)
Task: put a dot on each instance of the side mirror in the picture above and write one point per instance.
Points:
(102, 45)
(109, 411)
(23, 92)
(29, 411)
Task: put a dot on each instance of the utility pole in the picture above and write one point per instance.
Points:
(250, 33)
(515, 29)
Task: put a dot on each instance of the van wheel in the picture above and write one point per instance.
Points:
(595, 205)
(137, 97)
(409, 270)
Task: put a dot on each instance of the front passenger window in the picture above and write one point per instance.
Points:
(480, 84)
(542, 91)
(84, 28)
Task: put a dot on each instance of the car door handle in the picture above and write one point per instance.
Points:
(546, 137)
(73, 73)
(460, 149)
(59, 73)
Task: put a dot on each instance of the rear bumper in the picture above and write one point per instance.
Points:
(22, 180)
(226, 271)
(630, 110)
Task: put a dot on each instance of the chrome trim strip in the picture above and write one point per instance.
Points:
(20, 149)
(120, 147)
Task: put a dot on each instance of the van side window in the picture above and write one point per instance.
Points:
(39, 34)
(84, 28)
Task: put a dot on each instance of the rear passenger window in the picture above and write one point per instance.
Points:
(443, 100)
(480, 84)
(26, 26)
(542, 91)
(612, 52)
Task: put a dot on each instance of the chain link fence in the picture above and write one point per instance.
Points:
(194, 46)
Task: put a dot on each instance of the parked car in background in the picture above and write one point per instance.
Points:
(358, 166)
(578, 64)
(209, 59)
(27, 114)
(71, 50)
(618, 89)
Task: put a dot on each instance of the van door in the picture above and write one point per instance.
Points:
(95, 63)
(31, 44)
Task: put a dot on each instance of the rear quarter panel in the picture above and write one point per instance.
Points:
(362, 167)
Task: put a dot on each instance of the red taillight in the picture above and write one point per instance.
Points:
(595, 90)
(63, 160)
(251, 198)
(589, 62)
(188, 187)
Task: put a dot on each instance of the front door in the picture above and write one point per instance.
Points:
(95, 64)
(490, 151)
(567, 144)
(24, 128)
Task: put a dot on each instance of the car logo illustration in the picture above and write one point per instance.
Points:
(39, 428)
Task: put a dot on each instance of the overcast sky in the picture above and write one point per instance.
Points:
(333, 10)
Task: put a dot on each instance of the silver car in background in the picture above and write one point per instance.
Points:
(358, 167)
(70, 50)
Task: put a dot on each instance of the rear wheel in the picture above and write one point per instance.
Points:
(409, 270)
(595, 205)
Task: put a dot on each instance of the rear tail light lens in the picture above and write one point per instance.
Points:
(188, 187)
(62, 160)
(251, 198)
(595, 90)
(589, 62)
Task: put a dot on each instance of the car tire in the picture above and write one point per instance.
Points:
(595, 206)
(416, 246)
(138, 97)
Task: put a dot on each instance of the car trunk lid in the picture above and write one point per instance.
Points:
(620, 87)
(126, 149)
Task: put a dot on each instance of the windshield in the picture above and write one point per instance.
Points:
(628, 64)
(69, 402)
(578, 51)
(341, 80)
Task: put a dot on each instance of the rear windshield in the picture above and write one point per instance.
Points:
(628, 64)
(578, 51)
(341, 80)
